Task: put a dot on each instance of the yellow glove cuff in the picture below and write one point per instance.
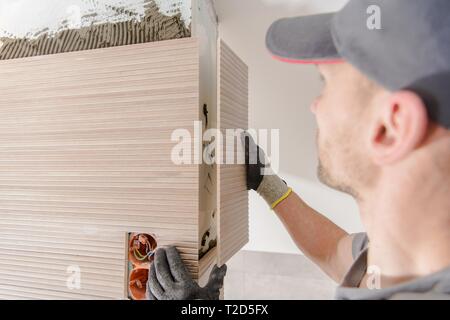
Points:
(284, 196)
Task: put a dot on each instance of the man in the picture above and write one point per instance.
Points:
(384, 138)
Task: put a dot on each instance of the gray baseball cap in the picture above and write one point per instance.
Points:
(400, 44)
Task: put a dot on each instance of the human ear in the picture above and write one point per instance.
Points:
(400, 128)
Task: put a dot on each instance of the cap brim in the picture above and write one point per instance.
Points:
(306, 40)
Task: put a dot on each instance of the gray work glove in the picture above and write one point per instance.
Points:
(169, 279)
(260, 176)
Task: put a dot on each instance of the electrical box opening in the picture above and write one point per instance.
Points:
(140, 256)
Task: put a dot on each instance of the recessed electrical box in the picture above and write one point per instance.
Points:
(141, 248)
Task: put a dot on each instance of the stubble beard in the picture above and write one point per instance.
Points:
(325, 174)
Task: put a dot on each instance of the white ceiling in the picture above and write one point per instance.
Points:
(313, 6)
(319, 4)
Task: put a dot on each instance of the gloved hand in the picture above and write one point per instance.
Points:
(260, 177)
(169, 279)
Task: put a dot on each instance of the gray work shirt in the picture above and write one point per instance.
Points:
(433, 286)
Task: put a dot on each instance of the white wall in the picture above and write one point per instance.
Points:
(280, 95)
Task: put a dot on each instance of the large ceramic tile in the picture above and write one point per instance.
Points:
(270, 287)
(301, 289)
(236, 263)
(274, 276)
(260, 287)
(234, 286)
(281, 264)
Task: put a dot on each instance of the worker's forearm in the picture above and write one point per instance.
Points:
(315, 235)
(325, 243)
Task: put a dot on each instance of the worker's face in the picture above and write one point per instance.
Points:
(343, 113)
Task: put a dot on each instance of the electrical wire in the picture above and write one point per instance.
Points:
(148, 251)
(140, 257)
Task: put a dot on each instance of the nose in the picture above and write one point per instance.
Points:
(314, 105)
